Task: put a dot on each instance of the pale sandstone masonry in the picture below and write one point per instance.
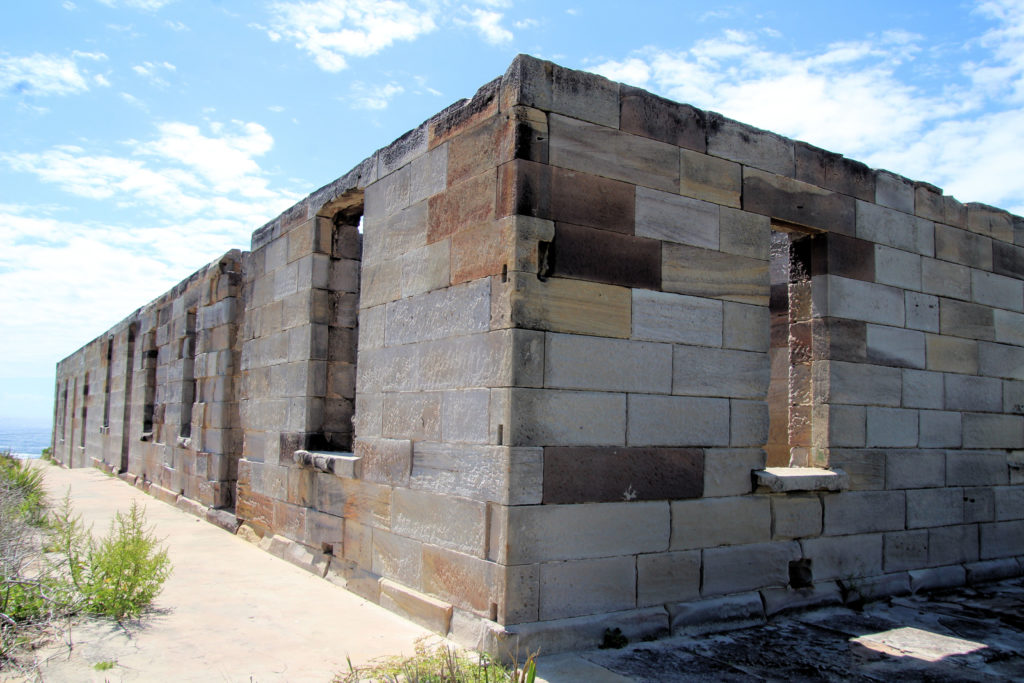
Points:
(519, 374)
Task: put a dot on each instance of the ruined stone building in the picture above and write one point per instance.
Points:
(570, 356)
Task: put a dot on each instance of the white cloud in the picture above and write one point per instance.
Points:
(180, 174)
(101, 80)
(153, 70)
(68, 5)
(41, 74)
(176, 25)
(526, 23)
(963, 135)
(374, 97)
(333, 30)
(489, 25)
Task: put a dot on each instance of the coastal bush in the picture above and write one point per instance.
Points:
(441, 664)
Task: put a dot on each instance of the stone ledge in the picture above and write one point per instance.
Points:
(332, 462)
(792, 479)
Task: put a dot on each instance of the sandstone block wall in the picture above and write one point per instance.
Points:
(519, 374)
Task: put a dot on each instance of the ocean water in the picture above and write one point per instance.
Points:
(25, 437)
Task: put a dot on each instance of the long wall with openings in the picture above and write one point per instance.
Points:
(569, 356)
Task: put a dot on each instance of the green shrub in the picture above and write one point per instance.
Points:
(27, 481)
(442, 664)
(126, 569)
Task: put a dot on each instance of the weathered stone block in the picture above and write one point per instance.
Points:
(593, 586)
(845, 298)
(922, 311)
(570, 306)
(796, 516)
(580, 362)
(979, 504)
(946, 279)
(1001, 360)
(466, 582)
(500, 474)
(922, 389)
(790, 200)
(897, 229)
(894, 191)
(1001, 539)
(859, 512)
(1009, 503)
(719, 614)
(897, 267)
(895, 346)
(672, 218)
(982, 430)
(422, 609)
(998, 291)
(642, 113)
(701, 371)
(747, 567)
(544, 533)
(1008, 259)
(743, 233)
(592, 474)
(965, 248)
(611, 153)
(905, 550)
(745, 327)
(455, 523)
(934, 507)
(713, 522)
(978, 394)
(667, 577)
(668, 317)
(603, 256)
(891, 427)
(727, 471)
(750, 146)
(678, 421)
(426, 269)
(451, 312)
(952, 545)
(856, 383)
(949, 354)
(976, 469)
(541, 417)
(465, 416)
(713, 274)
(710, 179)
(962, 319)
(462, 206)
(582, 198)
(915, 469)
(1009, 327)
(749, 423)
(415, 416)
(844, 557)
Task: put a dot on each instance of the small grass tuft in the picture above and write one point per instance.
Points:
(104, 666)
(441, 664)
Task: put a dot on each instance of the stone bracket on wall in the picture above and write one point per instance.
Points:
(791, 479)
(340, 464)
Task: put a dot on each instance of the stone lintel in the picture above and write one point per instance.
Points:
(790, 479)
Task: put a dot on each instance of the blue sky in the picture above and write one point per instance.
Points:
(140, 139)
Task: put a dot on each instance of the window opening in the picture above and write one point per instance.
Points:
(188, 374)
(106, 384)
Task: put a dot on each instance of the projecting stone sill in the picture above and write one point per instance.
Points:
(790, 479)
(337, 463)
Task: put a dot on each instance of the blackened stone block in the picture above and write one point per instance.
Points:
(603, 256)
(593, 474)
(653, 117)
(834, 172)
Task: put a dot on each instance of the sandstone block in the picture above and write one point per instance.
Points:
(982, 430)
(860, 512)
(856, 383)
(998, 291)
(1008, 259)
(360, 502)
(428, 612)
(668, 317)
(743, 233)
(465, 416)
(935, 507)
(415, 416)
(891, 427)
(486, 473)
(845, 298)
(403, 150)
(952, 545)
(719, 614)
(381, 283)
(678, 421)
(396, 557)
(992, 570)
(713, 522)
(894, 191)
(922, 389)
(701, 371)
(968, 392)
(571, 306)
(1009, 503)
(960, 319)
(979, 504)
(963, 247)
(642, 113)
(389, 236)
(745, 327)
(582, 146)
(1009, 327)
(487, 249)
(1001, 539)
(844, 557)
(897, 268)
(990, 221)
(455, 523)
(1001, 360)
(581, 587)
(895, 346)
(450, 312)
(750, 146)
(667, 577)
(946, 279)
(462, 206)
(426, 269)
(905, 550)
(976, 469)
(796, 516)
(939, 577)
(790, 200)
(922, 311)
(838, 425)
(833, 171)
(894, 228)
(713, 274)
(710, 178)
(915, 469)
(544, 533)
(672, 218)
(727, 471)
(747, 567)
(466, 582)
(603, 256)
(749, 423)
(604, 474)
(541, 417)
(949, 354)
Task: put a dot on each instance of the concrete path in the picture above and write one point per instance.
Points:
(229, 611)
